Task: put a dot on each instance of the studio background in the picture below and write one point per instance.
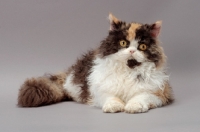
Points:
(47, 36)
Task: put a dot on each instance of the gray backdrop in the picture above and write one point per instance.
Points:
(38, 36)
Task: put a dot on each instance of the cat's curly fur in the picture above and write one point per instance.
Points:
(125, 73)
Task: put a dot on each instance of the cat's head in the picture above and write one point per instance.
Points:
(133, 41)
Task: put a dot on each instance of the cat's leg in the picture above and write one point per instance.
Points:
(148, 100)
(142, 103)
(113, 105)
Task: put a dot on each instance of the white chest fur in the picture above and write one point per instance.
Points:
(115, 78)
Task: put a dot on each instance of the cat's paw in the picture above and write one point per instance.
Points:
(136, 108)
(113, 105)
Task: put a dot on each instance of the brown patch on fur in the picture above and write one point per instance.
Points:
(132, 30)
(152, 106)
(165, 95)
(43, 90)
(81, 71)
(58, 78)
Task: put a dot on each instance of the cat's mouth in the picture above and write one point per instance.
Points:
(132, 63)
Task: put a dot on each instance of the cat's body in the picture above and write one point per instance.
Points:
(126, 73)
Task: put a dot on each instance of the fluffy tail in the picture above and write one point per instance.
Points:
(43, 90)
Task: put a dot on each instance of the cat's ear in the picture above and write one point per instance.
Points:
(113, 22)
(155, 29)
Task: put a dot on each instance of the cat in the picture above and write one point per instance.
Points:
(126, 73)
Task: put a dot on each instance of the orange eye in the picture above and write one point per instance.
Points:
(143, 47)
(123, 43)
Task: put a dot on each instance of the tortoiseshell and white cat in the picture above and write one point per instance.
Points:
(125, 73)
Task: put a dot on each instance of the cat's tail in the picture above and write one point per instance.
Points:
(44, 90)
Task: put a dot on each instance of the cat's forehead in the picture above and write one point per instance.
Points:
(132, 30)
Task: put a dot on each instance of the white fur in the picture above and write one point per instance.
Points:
(124, 54)
(72, 89)
(142, 102)
(113, 105)
(111, 78)
(116, 87)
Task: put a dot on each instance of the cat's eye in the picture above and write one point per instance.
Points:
(143, 47)
(123, 43)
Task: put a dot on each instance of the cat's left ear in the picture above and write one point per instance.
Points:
(155, 29)
(113, 22)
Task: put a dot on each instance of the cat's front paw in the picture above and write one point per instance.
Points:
(136, 108)
(113, 105)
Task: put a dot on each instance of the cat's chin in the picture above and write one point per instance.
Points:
(132, 63)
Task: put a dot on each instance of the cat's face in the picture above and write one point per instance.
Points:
(133, 41)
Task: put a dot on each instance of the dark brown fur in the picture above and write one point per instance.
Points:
(133, 63)
(43, 90)
(110, 45)
(154, 52)
(81, 70)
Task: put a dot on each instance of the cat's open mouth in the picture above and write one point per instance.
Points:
(132, 63)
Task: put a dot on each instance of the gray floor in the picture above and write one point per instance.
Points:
(48, 35)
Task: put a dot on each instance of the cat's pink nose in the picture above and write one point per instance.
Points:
(132, 51)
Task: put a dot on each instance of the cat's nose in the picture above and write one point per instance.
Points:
(132, 51)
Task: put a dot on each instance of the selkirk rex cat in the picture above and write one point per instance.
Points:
(125, 73)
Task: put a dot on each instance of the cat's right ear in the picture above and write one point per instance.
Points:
(155, 29)
(113, 22)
